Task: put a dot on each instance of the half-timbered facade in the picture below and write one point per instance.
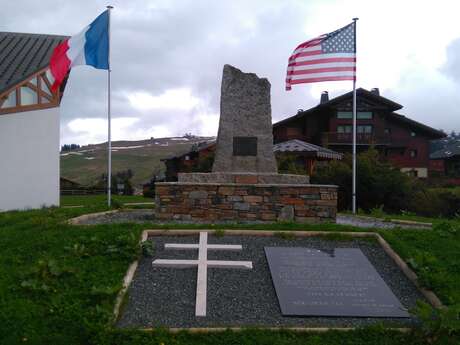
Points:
(29, 122)
(403, 141)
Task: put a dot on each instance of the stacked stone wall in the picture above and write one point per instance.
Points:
(208, 203)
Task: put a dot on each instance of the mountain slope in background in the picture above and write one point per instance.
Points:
(86, 164)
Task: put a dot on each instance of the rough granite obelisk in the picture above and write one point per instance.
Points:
(245, 138)
(244, 152)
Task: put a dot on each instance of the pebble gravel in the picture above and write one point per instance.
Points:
(165, 297)
(148, 216)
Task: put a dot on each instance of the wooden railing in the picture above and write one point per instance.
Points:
(361, 138)
(82, 191)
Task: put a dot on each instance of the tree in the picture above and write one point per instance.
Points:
(378, 182)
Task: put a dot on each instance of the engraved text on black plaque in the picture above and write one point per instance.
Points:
(245, 146)
(338, 283)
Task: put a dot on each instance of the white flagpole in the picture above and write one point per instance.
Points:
(109, 149)
(354, 129)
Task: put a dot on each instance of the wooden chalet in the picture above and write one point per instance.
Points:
(29, 122)
(25, 78)
(190, 161)
(403, 141)
(447, 161)
(201, 156)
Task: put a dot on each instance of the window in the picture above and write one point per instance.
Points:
(344, 115)
(364, 129)
(387, 130)
(364, 115)
(344, 129)
(412, 134)
(11, 100)
(28, 96)
(413, 153)
(46, 88)
(360, 115)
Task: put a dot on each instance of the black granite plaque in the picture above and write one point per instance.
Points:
(245, 146)
(338, 283)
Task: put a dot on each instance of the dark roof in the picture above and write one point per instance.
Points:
(434, 133)
(296, 145)
(393, 106)
(195, 148)
(447, 152)
(359, 92)
(21, 55)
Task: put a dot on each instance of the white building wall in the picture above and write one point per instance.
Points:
(29, 159)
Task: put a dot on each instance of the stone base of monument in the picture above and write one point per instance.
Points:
(245, 198)
(243, 178)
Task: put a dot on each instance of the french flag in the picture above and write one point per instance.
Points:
(89, 47)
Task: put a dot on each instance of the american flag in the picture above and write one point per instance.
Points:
(328, 57)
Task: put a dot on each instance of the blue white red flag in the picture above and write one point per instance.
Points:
(89, 47)
(328, 57)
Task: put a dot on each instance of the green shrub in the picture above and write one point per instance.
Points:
(378, 183)
(436, 202)
(382, 188)
(289, 164)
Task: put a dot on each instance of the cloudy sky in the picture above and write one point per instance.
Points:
(167, 58)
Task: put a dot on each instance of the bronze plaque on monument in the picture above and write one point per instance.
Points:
(341, 282)
(245, 146)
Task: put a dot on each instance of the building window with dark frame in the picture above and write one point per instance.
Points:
(364, 129)
(360, 115)
(413, 153)
(387, 130)
(345, 129)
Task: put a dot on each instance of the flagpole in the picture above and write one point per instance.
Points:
(109, 134)
(354, 128)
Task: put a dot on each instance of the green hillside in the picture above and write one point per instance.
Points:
(86, 164)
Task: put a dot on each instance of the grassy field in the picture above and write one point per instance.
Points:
(101, 200)
(58, 282)
(86, 165)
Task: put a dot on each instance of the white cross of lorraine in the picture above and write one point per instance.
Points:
(203, 263)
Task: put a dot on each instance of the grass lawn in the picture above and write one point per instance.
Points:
(58, 282)
(100, 200)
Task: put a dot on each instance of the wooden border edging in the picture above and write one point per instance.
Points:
(82, 218)
(428, 294)
(121, 294)
(292, 329)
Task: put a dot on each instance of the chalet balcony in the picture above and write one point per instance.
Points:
(335, 138)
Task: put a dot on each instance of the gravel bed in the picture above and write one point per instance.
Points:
(369, 222)
(165, 297)
(148, 216)
(123, 216)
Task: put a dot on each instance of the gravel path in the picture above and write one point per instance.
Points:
(166, 296)
(369, 222)
(148, 216)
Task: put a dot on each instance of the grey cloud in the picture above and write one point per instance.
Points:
(161, 45)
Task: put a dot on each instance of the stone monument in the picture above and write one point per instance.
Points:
(245, 138)
(244, 184)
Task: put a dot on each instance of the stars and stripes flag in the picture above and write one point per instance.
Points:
(325, 58)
